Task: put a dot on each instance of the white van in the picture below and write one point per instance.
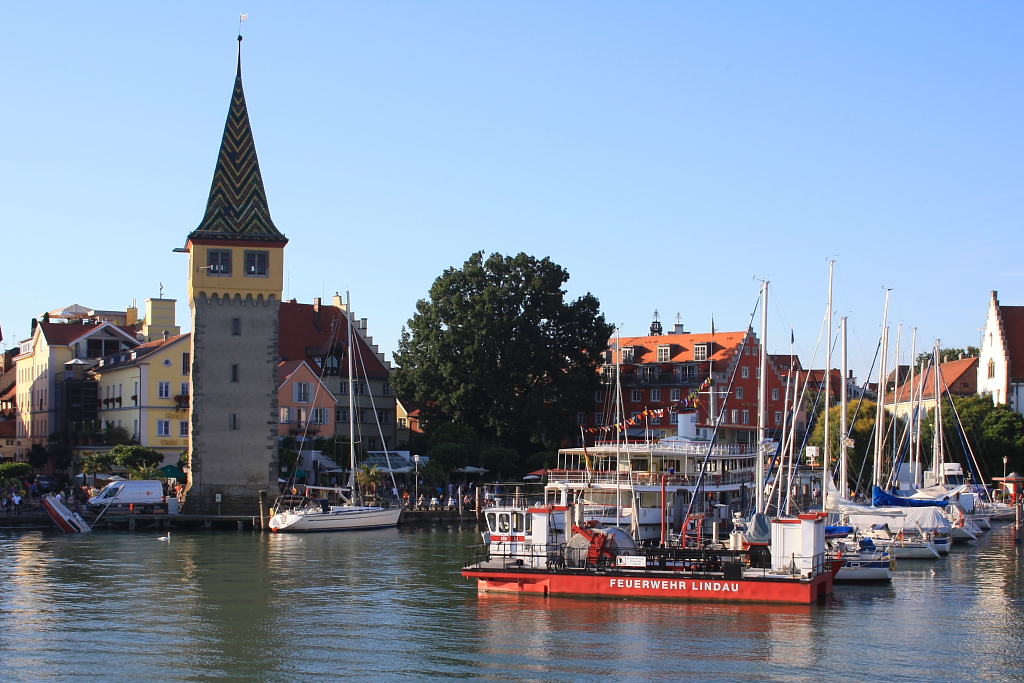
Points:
(116, 493)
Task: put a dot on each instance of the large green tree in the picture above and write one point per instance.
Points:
(993, 432)
(497, 347)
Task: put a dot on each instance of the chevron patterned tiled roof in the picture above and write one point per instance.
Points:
(237, 207)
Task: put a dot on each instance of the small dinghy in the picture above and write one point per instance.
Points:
(67, 520)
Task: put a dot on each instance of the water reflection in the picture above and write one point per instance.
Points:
(391, 605)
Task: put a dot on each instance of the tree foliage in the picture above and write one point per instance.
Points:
(38, 456)
(925, 357)
(994, 431)
(14, 470)
(863, 425)
(135, 457)
(496, 347)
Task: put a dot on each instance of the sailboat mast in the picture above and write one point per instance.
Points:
(826, 451)
(912, 414)
(351, 398)
(937, 455)
(762, 397)
(844, 487)
(880, 408)
(895, 401)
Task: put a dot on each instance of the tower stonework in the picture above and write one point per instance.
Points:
(236, 273)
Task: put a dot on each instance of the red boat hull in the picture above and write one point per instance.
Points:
(648, 585)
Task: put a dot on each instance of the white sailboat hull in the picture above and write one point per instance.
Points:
(338, 519)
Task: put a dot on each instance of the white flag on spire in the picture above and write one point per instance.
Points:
(243, 17)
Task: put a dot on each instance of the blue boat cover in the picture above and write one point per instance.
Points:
(882, 499)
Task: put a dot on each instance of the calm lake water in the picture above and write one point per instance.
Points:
(391, 605)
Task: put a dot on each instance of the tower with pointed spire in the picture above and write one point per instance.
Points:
(236, 276)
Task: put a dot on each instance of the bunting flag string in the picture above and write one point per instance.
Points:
(687, 405)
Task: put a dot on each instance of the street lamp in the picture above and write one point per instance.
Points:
(416, 500)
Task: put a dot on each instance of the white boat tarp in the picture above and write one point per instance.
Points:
(938, 492)
(928, 519)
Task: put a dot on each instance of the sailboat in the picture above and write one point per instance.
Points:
(328, 508)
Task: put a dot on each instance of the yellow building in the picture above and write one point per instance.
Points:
(146, 391)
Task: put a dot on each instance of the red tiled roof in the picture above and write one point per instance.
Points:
(302, 336)
(1013, 333)
(646, 348)
(62, 334)
(955, 373)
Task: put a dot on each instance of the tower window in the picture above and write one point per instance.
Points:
(256, 263)
(234, 373)
(220, 262)
(236, 327)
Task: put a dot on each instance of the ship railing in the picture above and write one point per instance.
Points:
(518, 554)
(646, 478)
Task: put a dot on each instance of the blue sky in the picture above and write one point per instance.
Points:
(666, 154)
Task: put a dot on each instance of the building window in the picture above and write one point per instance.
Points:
(220, 262)
(775, 393)
(581, 419)
(637, 395)
(664, 354)
(745, 372)
(183, 429)
(599, 396)
(778, 418)
(236, 327)
(319, 416)
(675, 394)
(598, 419)
(341, 415)
(233, 421)
(655, 395)
(234, 373)
(164, 390)
(746, 417)
(163, 427)
(701, 351)
(286, 416)
(186, 363)
(256, 263)
(739, 393)
(300, 392)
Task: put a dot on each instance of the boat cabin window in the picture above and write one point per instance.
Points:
(504, 522)
(492, 521)
(518, 522)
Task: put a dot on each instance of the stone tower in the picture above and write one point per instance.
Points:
(236, 266)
